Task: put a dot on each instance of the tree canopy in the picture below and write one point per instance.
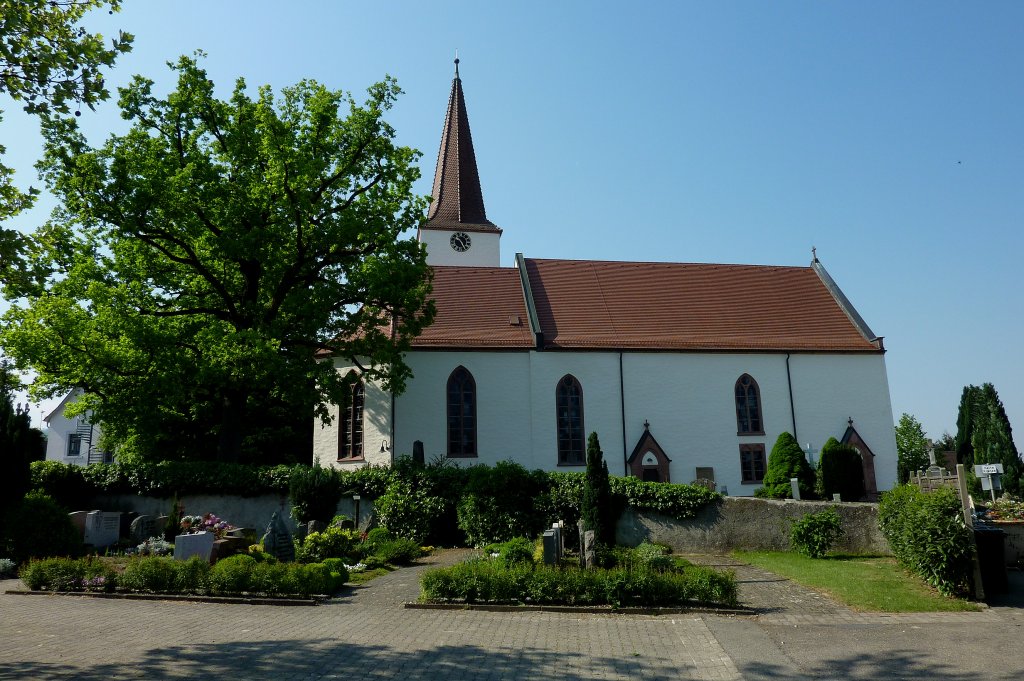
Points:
(911, 447)
(984, 434)
(200, 263)
(48, 61)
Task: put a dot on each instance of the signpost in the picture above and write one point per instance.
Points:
(990, 475)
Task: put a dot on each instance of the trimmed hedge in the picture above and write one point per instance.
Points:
(928, 536)
(233, 575)
(483, 581)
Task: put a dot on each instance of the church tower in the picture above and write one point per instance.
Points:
(457, 231)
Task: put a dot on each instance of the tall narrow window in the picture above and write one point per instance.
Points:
(350, 444)
(751, 463)
(461, 413)
(748, 407)
(569, 415)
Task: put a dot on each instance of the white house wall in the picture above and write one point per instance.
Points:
(687, 398)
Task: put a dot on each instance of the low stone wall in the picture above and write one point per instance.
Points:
(251, 512)
(751, 524)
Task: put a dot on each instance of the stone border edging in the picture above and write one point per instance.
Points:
(580, 609)
(231, 600)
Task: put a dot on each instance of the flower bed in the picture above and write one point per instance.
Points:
(648, 579)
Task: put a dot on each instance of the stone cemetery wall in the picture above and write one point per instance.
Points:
(250, 512)
(751, 524)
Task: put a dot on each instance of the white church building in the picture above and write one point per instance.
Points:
(684, 370)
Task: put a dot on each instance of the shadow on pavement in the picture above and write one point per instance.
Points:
(884, 665)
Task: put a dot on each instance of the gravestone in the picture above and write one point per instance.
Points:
(589, 550)
(277, 541)
(417, 451)
(837, 497)
(795, 484)
(78, 520)
(550, 548)
(102, 529)
(314, 526)
(144, 527)
(188, 545)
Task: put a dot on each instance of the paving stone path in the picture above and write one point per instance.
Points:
(367, 634)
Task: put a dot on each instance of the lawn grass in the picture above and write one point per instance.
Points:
(868, 583)
(367, 575)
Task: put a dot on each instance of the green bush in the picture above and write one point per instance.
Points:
(841, 471)
(397, 551)
(408, 511)
(272, 579)
(54, 574)
(674, 500)
(37, 527)
(596, 503)
(332, 542)
(500, 503)
(192, 576)
(518, 550)
(232, 574)
(787, 461)
(491, 581)
(315, 492)
(64, 483)
(152, 573)
(816, 533)
(928, 536)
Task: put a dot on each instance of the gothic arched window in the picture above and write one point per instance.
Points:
(350, 442)
(748, 407)
(461, 413)
(569, 417)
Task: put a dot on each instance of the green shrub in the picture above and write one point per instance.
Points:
(928, 536)
(272, 579)
(192, 576)
(151, 573)
(787, 461)
(408, 511)
(315, 492)
(841, 471)
(36, 527)
(378, 534)
(338, 571)
(491, 581)
(516, 551)
(333, 542)
(54, 574)
(232, 574)
(500, 503)
(674, 500)
(816, 533)
(596, 503)
(63, 482)
(397, 551)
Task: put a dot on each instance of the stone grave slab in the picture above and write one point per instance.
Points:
(144, 527)
(199, 544)
(102, 529)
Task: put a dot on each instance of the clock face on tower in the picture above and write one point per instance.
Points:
(460, 242)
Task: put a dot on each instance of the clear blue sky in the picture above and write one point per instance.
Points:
(888, 135)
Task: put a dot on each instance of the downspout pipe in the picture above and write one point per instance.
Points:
(622, 408)
(792, 407)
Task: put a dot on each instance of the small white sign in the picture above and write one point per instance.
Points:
(988, 469)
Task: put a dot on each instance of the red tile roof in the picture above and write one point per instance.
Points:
(588, 304)
(475, 309)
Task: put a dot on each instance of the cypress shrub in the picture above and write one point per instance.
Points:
(841, 471)
(787, 461)
(37, 527)
(596, 502)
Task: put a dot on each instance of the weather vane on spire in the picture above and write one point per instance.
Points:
(814, 251)
(456, 62)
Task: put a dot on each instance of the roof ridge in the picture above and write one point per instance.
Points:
(672, 262)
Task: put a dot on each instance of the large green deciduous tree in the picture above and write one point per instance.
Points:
(48, 61)
(984, 434)
(199, 262)
(911, 447)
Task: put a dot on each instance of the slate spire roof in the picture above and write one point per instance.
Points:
(458, 201)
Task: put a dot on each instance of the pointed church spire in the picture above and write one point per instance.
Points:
(458, 200)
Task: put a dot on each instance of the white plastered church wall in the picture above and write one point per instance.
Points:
(376, 428)
(502, 401)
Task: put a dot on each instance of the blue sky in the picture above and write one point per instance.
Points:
(887, 135)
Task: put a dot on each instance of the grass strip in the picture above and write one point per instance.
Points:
(866, 583)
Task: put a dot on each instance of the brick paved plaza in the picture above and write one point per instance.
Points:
(369, 635)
